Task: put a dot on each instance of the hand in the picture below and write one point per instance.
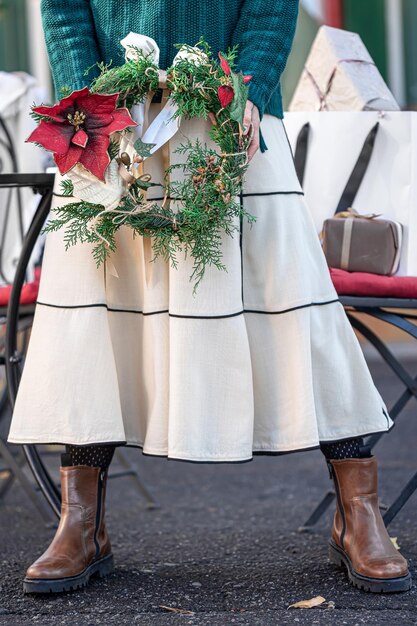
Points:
(251, 124)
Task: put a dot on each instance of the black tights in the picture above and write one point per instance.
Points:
(101, 456)
(348, 449)
(94, 456)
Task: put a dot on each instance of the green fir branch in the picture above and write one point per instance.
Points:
(65, 91)
(113, 149)
(67, 187)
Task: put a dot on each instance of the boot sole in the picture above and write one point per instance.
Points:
(100, 568)
(373, 585)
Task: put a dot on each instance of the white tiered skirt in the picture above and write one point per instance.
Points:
(261, 360)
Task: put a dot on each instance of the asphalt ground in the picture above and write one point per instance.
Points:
(223, 544)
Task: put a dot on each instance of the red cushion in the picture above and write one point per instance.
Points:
(28, 294)
(364, 284)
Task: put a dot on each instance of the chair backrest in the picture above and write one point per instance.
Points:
(11, 212)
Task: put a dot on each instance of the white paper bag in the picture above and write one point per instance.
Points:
(390, 183)
(340, 75)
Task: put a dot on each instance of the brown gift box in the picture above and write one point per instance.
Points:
(362, 244)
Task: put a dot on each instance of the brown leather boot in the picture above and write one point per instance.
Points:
(81, 547)
(360, 540)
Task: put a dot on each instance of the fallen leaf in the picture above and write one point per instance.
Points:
(308, 604)
(174, 609)
(394, 542)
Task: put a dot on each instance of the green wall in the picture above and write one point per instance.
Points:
(13, 36)
(367, 18)
(410, 25)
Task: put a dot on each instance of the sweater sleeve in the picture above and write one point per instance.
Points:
(264, 32)
(71, 41)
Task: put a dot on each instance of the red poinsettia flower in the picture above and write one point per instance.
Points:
(78, 130)
(226, 92)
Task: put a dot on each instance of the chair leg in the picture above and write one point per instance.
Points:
(18, 473)
(8, 481)
(410, 391)
(398, 504)
(320, 509)
(130, 470)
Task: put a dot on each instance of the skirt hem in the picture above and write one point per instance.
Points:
(306, 447)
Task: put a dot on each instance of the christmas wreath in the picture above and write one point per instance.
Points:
(92, 137)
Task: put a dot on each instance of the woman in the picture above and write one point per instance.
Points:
(262, 361)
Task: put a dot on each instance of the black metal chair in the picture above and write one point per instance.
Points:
(12, 231)
(394, 312)
(14, 357)
(22, 322)
(10, 209)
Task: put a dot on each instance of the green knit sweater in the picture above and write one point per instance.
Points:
(79, 33)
